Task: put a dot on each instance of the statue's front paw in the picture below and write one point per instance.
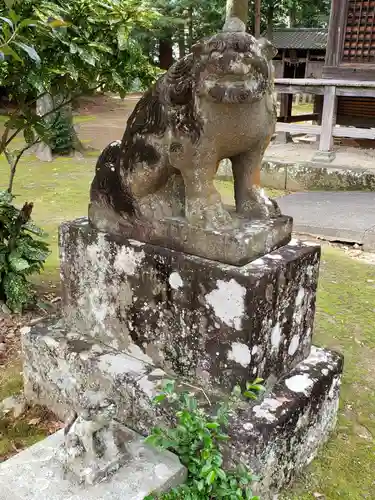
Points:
(259, 206)
(209, 217)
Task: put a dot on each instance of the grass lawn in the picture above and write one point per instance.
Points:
(345, 321)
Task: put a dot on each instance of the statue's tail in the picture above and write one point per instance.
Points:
(108, 187)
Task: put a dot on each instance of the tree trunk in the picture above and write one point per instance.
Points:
(165, 53)
(182, 44)
(238, 8)
(63, 137)
(293, 14)
(257, 19)
(191, 26)
(270, 15)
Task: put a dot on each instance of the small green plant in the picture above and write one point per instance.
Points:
(21, 254)
(196, 440)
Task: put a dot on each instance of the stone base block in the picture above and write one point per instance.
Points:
(213, 323)
(238, 245)
(37, 474)
(276, 437)
(66, 372)
(283, 434)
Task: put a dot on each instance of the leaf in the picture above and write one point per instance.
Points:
(18, 264)
(28, 22)
(8, 51)
(30, 51)
(211, 477)
(8, 21)
(58, 23)
(213, 425)
(29, 136)
(236, 391)
(159, 398)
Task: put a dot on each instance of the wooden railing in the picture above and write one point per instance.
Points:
(330, 89)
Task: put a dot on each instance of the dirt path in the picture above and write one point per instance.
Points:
(103, 119)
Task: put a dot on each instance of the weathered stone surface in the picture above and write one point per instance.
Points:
(276, 437)
(369, 240)
(283, 434)
(302, 176)
(65, 371)
(14, 406)
(216, 323)
(36, 474)
(237, 245)
(216, 103)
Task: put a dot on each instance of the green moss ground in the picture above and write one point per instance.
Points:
(345, 469)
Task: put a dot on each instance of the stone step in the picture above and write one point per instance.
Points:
(304, 176)
(37, 474)
(275, 438)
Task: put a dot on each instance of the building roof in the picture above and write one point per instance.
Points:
(300, 38)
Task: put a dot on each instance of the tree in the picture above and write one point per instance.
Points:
(61, 50)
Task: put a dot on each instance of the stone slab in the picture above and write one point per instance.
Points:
(65, 371)
(281, 435)
(275, 437)
(36, 474)
(301, 176)
(337, 216)
(213, 323)
(240, 245)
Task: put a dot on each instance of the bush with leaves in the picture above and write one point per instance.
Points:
(53, 52)
(21, 253)
(196, 439)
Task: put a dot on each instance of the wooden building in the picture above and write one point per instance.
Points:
(301, 52)
(347, 86)
(351, 56)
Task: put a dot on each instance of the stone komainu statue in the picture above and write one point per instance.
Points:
(215, 103)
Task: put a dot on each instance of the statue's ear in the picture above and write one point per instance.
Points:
(267, 48)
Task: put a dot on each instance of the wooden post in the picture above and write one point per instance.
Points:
(325, 152)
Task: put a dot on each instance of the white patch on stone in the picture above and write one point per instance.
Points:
(300, 296)
(325, 371)
(293, 346)
(248, 426)
(240, 353)
(275, 256)
(135, 351)
(135, 243)
(254, 350)
(158, 373)
(228, 302)
(127, 261)
(148, 386)
(175, 281)
(266, 409)
(276, 337)
(299, 383)
(120, 364)
(258, 262)
(25, 330)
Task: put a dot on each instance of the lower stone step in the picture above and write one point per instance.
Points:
(37, 474)
(303, 175)
(276, 438)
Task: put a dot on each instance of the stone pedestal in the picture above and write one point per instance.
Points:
(135, 314)
(215, 323)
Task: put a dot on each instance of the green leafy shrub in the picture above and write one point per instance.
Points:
(21, 254)
(196, 440)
